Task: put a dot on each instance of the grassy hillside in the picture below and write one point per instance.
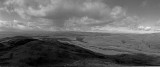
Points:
(79, 49)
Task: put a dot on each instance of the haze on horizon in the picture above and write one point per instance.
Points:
(79, 15)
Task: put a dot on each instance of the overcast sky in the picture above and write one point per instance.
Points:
(79, 15)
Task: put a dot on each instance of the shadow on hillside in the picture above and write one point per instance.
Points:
(31, 52)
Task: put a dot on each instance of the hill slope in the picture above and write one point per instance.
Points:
(66, 51)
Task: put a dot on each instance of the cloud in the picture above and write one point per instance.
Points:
(128, 22)
(79, 15)
(61, 10)
(83, 23)
(118, 12)
(144, 3)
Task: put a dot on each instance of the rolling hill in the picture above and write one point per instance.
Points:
(80, 49)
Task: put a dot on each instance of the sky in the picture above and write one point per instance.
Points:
(78, 15)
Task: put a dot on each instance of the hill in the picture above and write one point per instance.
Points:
(80, 49)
